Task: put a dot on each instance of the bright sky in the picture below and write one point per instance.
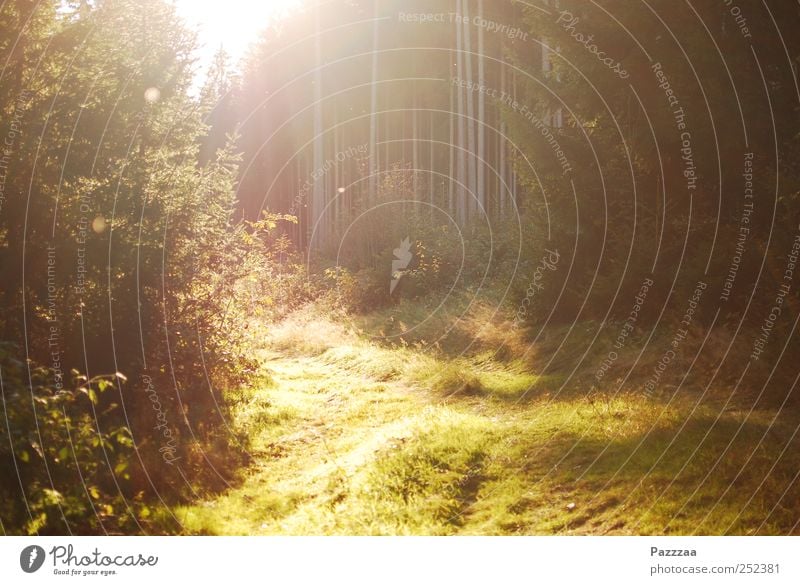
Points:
(234, 24)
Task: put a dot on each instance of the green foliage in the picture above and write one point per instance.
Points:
(134, 260)
(274, 280)
(425, 483)
(74, 470)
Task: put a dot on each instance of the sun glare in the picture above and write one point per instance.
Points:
(232, 24)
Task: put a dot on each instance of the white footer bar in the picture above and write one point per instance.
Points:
(400, 560)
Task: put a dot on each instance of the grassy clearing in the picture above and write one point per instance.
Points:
(349, 437)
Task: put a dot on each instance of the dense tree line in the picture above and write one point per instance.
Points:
(639, 141)
(119, 257)
(507, 121)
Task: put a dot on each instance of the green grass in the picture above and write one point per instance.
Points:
(351, 437)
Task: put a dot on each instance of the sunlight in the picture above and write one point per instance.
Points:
(232, 24)
(420, 268)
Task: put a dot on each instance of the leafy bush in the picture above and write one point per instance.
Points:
(71, 472)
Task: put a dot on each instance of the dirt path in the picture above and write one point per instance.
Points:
(315, 426)
(343, 441)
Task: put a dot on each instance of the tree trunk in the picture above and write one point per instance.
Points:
(470, 154)
(431, 164)
(502, 151)
(373, 120)
(317, 199)
(481, 188)
(461, 149)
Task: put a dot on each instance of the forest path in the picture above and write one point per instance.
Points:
(350, 438)
(316, 424)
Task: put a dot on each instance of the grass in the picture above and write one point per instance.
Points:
(348, 436)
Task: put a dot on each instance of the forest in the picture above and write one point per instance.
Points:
(405, 267)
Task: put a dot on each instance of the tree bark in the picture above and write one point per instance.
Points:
(481, 187)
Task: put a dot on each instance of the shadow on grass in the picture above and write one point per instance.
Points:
(626, 476)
